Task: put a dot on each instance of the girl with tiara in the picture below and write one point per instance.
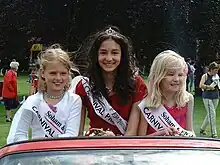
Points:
(110, 91)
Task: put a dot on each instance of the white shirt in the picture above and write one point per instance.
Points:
(216, 81)
(68, 111)
(192, 68)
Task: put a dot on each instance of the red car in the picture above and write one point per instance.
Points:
(113, 151)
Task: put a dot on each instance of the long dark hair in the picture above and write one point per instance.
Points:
(124, 80)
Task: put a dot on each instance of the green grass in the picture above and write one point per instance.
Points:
(199, 115)
(23, 86)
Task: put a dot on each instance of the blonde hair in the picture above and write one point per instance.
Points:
(53, 53)
(163, 62)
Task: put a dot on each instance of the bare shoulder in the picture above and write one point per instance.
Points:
(204, 75)
(191, 97)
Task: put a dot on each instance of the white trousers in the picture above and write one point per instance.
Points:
(210, 106)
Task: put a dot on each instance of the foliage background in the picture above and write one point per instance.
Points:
(190, 27)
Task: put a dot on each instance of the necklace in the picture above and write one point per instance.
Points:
(54, 97)
(109, 90)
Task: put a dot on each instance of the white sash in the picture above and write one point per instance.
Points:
(160, 118)
(51, 126)
(104, 110)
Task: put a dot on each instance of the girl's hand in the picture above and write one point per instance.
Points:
(211, 87)
(99, 132)
(109, 133)
(96, 132)
(168, 131)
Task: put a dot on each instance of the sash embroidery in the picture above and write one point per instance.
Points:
(51, 126)
(160, 118)
(104, 110)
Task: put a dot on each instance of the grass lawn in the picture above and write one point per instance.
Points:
(199, 112)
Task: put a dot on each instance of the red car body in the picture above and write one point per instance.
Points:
(124, 144)
(110, 143)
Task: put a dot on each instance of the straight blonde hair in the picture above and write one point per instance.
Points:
(162, 63)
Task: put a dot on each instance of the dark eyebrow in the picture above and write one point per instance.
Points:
(102, 49)
(115, 50)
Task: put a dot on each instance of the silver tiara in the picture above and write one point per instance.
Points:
(111, 32)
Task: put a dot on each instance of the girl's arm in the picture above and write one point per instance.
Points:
(82, 122)
(73, 122)
(202, 84)
(133, 120)
(143, 125)
(189, 113)
(20, 125)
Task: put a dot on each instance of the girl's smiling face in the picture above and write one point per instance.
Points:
(109, 56)
(56, 77)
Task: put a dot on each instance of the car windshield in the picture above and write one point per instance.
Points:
(114, 157)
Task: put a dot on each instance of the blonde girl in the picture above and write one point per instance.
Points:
(52, 111)
(167, 89)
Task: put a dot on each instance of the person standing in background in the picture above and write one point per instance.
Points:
(191, 76)
(14, 62)
(34, 81)
(9, 90)
(188, 61)
(210, 86)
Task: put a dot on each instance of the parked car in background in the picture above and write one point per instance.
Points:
(112, 151)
